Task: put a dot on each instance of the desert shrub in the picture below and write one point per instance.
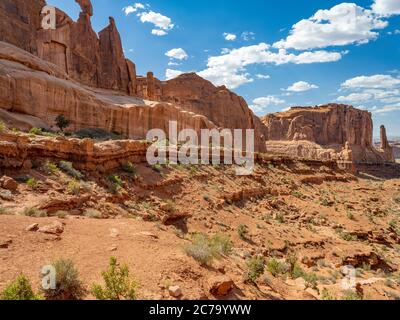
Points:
(3, 127)
(311, 280)
(61, 214)
(276, 267)
(69, 169)
(280, 218)
(129, 168)
(221, 244)
(34, 212)
(118, 285)
(62, 122)
(50, 167)
(115, 183)
(200, 249)
(351, 295)
(20, 289)
(93, 213)
(74, 187)
(326, 295)
(96, 134)
(169, 206)
(243, 231)
(68, 285)
(350, 215)
(3, 210)
(157, 168)
(32, 183)
(41, 132)
(298, 195)
(255, 268)
(295, 271)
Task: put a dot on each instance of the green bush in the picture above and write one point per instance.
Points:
(115, 183)
(311, 280)
(41, 132)
(3, 127)
(204, 249)
(118, 285)
(20, 289)
(69, 169)
(96, 134)
(295, 271)
(32, 183)
(326, 295)
(50, 167)
(3, 210)
(277, 268)
(74, 187)
(255, 268)
(351, 295)
(62, 122)
(243, 231)
(130, 168)
(68, 285)
(34, 212)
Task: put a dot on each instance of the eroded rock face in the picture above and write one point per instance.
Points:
(332, 131)
(225, 108)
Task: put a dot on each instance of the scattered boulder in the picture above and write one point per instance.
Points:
(8, 183)
(32, 228)
(6, 195)
(56, 228)
(175, 291)
(220, 285)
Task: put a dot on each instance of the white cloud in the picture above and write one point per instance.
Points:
(132, 9)
(343, 24)
(301, 86)
(170, 74)
(229, 36)
(263, 76)
(355, 97)
(229, 69)
(372, 82)
(248, 35)
(161, 22)
(386, 7)
(387, 109)
(158, 32)
(260, 105)
(178, 54)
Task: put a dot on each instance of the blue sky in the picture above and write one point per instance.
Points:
(272, 53)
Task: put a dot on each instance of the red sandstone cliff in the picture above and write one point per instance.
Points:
(326, 129)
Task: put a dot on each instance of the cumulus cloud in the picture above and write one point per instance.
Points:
(386, 7)
(355, 97)
(229, 36)
(387, 109)
(375, 81)
(178, 54)
(132, 9)
(301, 86)
(162, 23)
(171, 74)
(343, 24)
(260, 105)
(230, 69)
(263, 76)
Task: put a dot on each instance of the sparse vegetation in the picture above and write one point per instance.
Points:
(3, 126)
(204, 249)
(115, 183)
(68, 286)
(326, 295)
(97, 134)
(50, 168)
(169, 206)
(295, 271)
(34, 212)
(277, 268)
(350, 215)
(157, 168)
(130, 168)
(93, 213)
(311, 280)
(41, 132)
(74, 187)
(351, 295)
(32, 183)
(255, 268)
(3, 210)
(69, 169)
(118, 284)
(243, 231)
(62, 122)
(20, 289)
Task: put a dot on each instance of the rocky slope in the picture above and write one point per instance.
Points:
(328, 132)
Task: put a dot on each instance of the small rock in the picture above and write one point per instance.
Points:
(113, 248)
(220, 286)
(6, 195)
(149, 234)
(33, 227)
(175, 291)
(4, 244)
(8, 183)
(114, 233)
(56, 227)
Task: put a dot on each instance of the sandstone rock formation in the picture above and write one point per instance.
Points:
(385, 146)
(327, 132)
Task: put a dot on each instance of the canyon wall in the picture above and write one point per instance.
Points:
(331, 131)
